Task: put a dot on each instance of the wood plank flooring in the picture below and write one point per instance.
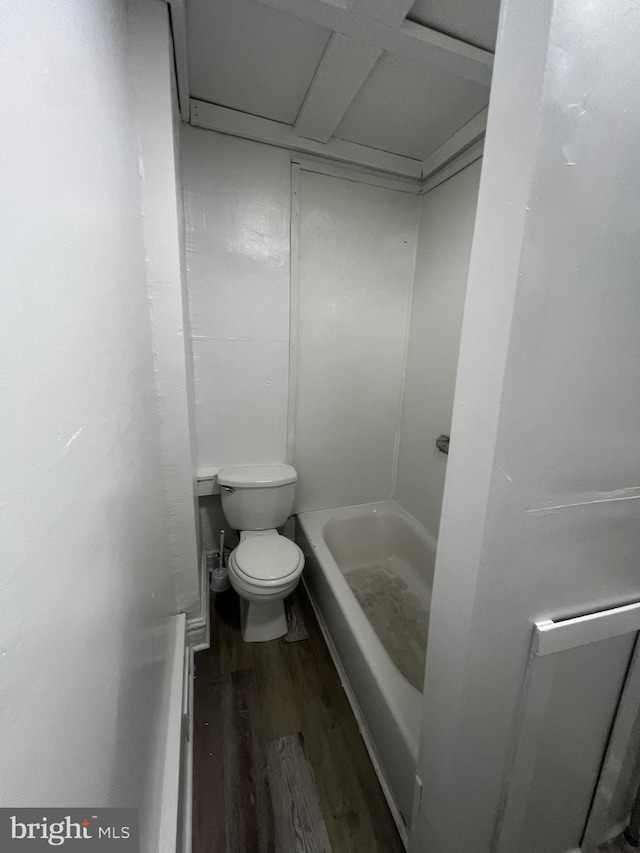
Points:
(279, 763)
(296, 626)
(298, 820)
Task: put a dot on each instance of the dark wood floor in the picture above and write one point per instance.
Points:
(279, 763)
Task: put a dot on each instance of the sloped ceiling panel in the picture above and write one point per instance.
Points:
(409, 108)
(473, 21)
(251, 58)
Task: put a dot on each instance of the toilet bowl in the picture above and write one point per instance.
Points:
(265, 567)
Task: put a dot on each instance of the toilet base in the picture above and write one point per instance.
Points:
(262, 621)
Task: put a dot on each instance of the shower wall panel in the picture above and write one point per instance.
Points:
(447, 216)
(356, 257)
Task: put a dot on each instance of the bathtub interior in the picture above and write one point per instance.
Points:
(390, 571)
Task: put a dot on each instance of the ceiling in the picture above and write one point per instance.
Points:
(402, 109)
(469, 21)
(252, 58)
(377, 73)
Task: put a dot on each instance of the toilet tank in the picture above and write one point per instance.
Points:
(257, 497)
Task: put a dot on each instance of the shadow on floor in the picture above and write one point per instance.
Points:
(227, 609)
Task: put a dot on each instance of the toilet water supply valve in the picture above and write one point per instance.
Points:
(217, 567)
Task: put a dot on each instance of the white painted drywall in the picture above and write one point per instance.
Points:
(446, 220)
(237, 216)
(184, 291)
(163, 234)
(540, 515)
(357, 249)
(85, 574)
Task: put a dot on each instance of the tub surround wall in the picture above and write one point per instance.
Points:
(86, 579)
(356, 255)
(445, 231)
(237, 216)
(356, 267)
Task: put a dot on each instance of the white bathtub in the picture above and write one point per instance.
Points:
(387, 706)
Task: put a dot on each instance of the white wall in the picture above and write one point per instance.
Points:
(238, 210)
(357, 249)
(163, 232)
(237, 215)
(85, 575)
(446, 220)
(184, 292)
(540, 516)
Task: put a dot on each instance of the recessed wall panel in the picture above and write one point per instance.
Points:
(356, 255)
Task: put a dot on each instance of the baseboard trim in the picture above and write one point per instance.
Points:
(198, 627)
(173, 761)
(362, 726)
(186, 800)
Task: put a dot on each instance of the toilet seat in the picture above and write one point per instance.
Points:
(267, 560)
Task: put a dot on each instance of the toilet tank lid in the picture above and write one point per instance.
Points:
(257, 476)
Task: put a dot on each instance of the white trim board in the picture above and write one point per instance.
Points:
(343, 68)
(294, 300)
(466, 158)
(361, 175)
(186, 800)
(198, 627)
(168, 834)
(355, 162)
(178, 18)
(550, 637)
(235, 123)
(462, 139)
(392, 14)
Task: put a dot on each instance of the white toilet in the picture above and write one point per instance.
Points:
(265, 567)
